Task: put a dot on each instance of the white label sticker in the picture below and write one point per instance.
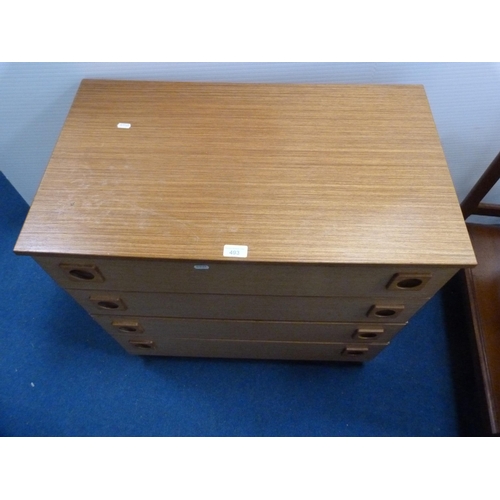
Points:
(240, 251)
(124, 125)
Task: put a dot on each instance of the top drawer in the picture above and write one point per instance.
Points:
(149, 275)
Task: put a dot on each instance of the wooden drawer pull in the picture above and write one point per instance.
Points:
(383, 311)
(142, 344)
(108, 303)
(355, 352)
(125, 326)
(408, 281)
(86, 273)
(368, 333)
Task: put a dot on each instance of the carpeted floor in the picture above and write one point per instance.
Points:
(61, 375)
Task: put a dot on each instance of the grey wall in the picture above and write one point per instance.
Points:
(464, 98)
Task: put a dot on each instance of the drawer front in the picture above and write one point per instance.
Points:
(247, 307)
(136, 328)
(311, 351)
(242, 278)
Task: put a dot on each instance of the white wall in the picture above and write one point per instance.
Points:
(464, 98)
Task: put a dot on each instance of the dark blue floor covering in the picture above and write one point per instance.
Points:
(61, 375)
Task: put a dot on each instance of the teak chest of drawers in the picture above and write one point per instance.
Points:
(248, 220)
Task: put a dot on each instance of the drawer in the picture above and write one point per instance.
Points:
(309, 351)
(136, 328)
(242, 278)
(248, 307)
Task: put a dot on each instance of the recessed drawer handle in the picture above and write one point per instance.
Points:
(383, 311)
(108, 303)
(85, 273)
(355, 352)
(409, 281)
(128, 326)
(368, 333)
(142, 344)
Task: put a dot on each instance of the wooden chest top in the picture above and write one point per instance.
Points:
(336, 174)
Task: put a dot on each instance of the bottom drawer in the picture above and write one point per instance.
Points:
(307, 351)
(211, 329)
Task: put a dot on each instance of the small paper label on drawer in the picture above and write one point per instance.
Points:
(124, 125)
(239, 251)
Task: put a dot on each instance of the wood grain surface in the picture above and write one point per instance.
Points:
(298, 173)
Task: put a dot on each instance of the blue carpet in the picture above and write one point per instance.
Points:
(62, 375)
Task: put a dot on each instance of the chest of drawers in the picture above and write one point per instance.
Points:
(303, 222)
